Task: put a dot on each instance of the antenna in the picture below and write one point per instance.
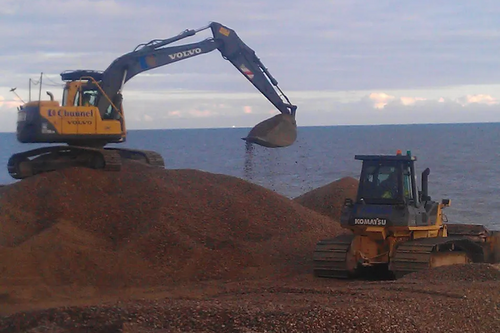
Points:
(13, 90)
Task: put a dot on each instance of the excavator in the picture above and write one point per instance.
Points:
(91, 114)
(393, 228)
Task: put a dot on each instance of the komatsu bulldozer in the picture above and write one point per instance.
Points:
(394, 227)
(91, 114)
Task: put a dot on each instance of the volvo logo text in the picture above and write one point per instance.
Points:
(183, 54)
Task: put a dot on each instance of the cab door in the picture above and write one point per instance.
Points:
(86, 113)
(79, 119)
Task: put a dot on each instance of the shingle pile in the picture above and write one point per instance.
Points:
(476, 272)
(248, 249)
(329, 199)
(146, 226)
(360, 307)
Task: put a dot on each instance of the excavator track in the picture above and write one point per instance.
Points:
(46, 159)
(149, 157)
(416, 255)
(330, 257)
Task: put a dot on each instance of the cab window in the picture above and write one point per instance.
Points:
(77, 98)
(65, 96)
(407, 183)
(380, 182)
(89, 98)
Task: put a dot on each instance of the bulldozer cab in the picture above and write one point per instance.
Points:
(387, 180)
(388, 194)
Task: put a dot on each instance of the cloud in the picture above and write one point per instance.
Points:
(247, 109)
(345, 54)
(202, 113)
(9, 105)
(58, 8)
(9, 7)
(380, 99)
(175, 113)
(372, 46)
(411, 100)
(148, 118)
(479, 99)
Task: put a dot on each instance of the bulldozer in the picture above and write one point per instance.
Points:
(91, 115)
(393, 228)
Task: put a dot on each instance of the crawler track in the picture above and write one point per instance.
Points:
(46, 159)
(330, 257)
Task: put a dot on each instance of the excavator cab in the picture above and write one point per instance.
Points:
(87, 93)
(77, 120)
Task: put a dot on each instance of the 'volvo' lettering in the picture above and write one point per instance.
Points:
(80, 122)
(375, 221)
(183, 54)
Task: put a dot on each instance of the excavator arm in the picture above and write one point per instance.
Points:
(246, 61)
(156, 53)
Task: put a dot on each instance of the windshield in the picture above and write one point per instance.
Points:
(380, 183)
(88, 98)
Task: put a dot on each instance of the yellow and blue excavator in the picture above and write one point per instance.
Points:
(91, 114)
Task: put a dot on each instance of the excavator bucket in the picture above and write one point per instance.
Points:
(275, 132)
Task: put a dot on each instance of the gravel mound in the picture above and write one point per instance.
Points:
(146, 226)
(360, 308)
(82, 229)
(329, 199)
(461, 272)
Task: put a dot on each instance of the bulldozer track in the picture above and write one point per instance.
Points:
(47, 159)
(330, 257)
(416, 255)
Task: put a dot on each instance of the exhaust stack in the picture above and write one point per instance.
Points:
(425, 182)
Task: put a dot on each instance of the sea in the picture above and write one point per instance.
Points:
(464, 159)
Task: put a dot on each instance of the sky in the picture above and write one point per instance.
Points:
(341, 62)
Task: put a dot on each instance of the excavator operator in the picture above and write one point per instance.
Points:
(389, 187)
(86, 100)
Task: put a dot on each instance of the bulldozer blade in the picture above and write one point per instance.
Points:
(478, 233)
(275, 132)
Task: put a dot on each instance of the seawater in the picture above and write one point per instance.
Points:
(463, 159)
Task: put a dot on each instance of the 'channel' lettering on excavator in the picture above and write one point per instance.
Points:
(64, 113)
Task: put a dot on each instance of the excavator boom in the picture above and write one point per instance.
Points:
(154, 54)
(276, 132)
